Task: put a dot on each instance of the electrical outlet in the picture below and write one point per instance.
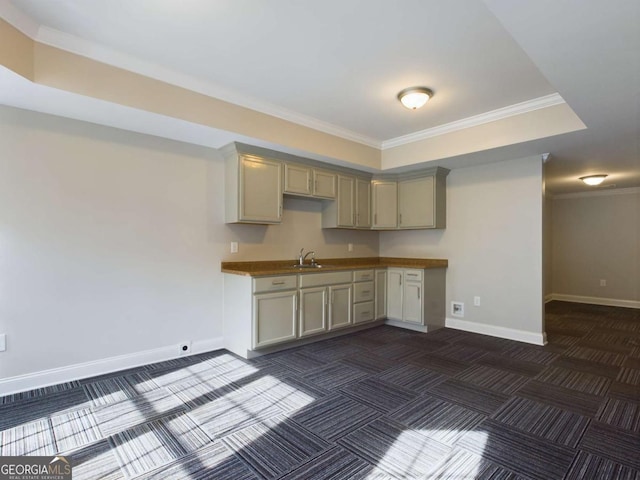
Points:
(234, 247)
(3, 342)
(184, 348)
(350, 247)
(476, 301)
(603, 283)
(457, 309)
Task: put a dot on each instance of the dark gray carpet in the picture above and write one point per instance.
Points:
(384, 403)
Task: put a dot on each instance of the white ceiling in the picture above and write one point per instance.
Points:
(341, 63)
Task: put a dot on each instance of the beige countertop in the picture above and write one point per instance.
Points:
(285, 267)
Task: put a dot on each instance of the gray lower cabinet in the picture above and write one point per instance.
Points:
(381, 293)
(313, 317)
(416, 298)
(274, 318)
(363, 296)
(340, 300)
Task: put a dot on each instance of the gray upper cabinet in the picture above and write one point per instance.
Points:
(255, 183)
(308, 181)
(324, 184)
(384, 196)
(363, 203)
(422, 201)
(341, 213)
(253, 190)
(352, 206)
(297, 179)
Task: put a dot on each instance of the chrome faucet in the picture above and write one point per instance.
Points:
(302, 258)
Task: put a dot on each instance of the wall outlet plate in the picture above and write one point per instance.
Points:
(457, 309)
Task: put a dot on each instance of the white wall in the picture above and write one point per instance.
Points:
(111, 243)
(493, 241)
(597, 237)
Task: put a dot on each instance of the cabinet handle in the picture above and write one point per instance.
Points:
(412, 274)
(277, 283)
(375, 218)
(295, 303)
(400, 219)
(418, 294)
(365, 292)
(280, 211)
(331, 298)
(399, 279)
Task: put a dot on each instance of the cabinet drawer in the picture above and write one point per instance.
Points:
(329, 278)
(272, 284)
(363, 276)
(363, 292)
(363, 312)
(413, 274)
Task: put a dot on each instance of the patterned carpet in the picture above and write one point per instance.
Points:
(383, 403)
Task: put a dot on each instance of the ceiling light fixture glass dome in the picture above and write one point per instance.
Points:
(594, 179)
(415, 97)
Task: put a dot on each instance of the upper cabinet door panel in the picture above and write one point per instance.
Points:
(363, 203)
(346, 211)
(324, 184)
(416, 203)
(261, 190)
(297, 179)
(385, 204)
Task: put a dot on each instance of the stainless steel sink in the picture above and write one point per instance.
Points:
(306, 265)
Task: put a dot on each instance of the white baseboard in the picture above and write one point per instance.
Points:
(78, 371)
(609, 302)
(548, 298)
(495, 331)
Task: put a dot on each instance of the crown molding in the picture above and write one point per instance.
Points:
(597, 193)
(94, 51)
(474, 121)
(97, 52)
(18, 19)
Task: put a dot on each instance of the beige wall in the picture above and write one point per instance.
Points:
(547, 245)
(595, 238)
(111, 242)
(493, 241)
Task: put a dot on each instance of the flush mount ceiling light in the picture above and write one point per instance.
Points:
(594, 179)
(415, 97)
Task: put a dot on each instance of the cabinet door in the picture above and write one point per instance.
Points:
(394, 293)
(381, 294)
(313, 311)
(324, 184)
(340, 302)
(412, 302)
(297, 179)
(346, 192)
(416, 203)
(260, 190)
(274, 317)
(385, 204)
(363, 203)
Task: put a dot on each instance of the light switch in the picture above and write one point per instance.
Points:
(234, 247)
